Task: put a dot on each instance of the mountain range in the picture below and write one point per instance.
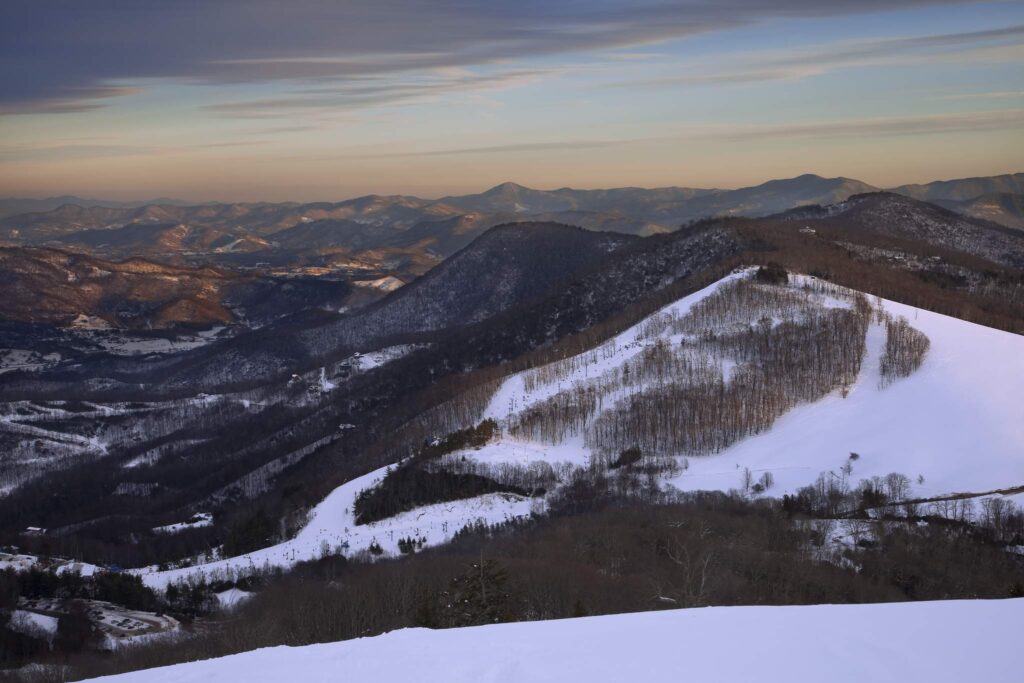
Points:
(629, 210)
(17, 205)
(398, 239)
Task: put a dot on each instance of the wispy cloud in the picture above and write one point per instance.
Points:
(73, 151)
(71, 100)
(513, 148)
(380, 92)
(236, 143)
(62, 59)
(990, 45)
(101, 150)
(1012, 119)
(999, 95)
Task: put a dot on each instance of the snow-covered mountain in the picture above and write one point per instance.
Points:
(930, 641)
(950, 421)
(956, 421)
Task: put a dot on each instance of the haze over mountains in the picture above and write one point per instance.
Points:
(14, 205)
(629, 210)
(351, 253)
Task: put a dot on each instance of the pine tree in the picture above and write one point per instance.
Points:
(478, 596)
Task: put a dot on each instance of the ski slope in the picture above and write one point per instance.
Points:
(952, 641)
(957, 422)
(332, 530)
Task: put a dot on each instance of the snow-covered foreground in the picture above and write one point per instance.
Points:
(930, 641)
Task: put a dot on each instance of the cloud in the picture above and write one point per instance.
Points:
(999, 95)
(992, 45)
(513, 148)
(236, 143)
(99, 149)
(1012, 119)
(63, 151)
(73, 100)
(62, 55)
(370, 92)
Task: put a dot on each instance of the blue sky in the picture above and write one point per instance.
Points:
(249, 100)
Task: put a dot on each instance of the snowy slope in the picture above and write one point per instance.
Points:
(332, 529)
(957, 421)
(951, 641)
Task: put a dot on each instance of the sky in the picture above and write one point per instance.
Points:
(250, 100)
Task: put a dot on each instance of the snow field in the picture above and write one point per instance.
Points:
(954, 641)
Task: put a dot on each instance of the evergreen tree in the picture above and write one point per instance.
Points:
(478, 596)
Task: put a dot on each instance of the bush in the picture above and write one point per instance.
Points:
(772, 274)
(626, 458)
(471, 437)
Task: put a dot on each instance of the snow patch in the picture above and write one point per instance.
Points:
(198, 520)
(232, 597)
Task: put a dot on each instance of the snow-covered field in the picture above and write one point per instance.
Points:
(33, 624)
(126, 344)
(955, 641)
(20, 563)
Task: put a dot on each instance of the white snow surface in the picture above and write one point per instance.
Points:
(21, 563)
(232, 597)
(971, 640)
(332, 529)
(374, 359)
(385, 284)
(958, 421)
(198, 520)
(32, 623)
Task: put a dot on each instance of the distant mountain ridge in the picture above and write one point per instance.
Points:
(631, 210)
(964, 188)
(18, 205)
(999, 207)
(666, 205)
(901, 217)
(403, 236)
